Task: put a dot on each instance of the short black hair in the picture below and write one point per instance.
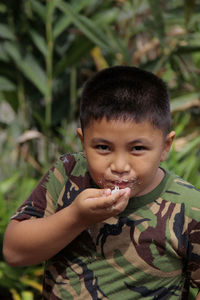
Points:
(127, 93)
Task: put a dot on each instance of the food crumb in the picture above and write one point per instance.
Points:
(116, 189)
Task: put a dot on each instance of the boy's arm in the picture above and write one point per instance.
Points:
(35, 240)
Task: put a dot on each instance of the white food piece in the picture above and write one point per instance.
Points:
(116, 189)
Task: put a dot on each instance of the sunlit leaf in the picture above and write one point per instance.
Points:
(15, 294)
(27, 295)
(32, 283)
(99, 59)
(185, 102)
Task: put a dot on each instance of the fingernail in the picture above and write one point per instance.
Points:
(107, 192)
(125, 191)
(128, 190)
(122, 191)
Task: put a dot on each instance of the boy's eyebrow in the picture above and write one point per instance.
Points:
(137, 141)
(100, 140)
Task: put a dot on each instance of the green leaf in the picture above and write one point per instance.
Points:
(180, 102)
(78, 49)
(86, 26)
(27, 295)
(3, 8)
(7, 184)
(6, 84)
(78, 5)
(193, 144)
(62, 23)
(94, 33)
(187, 49)
(106, 17)
(6, 33)
(39, 41)
(157, 13)
(39, 8)
(189, 7)
(193, 293)
(29, 67)
(3, 55)
(118, 45)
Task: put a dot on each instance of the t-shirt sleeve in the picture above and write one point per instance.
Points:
(44, 199)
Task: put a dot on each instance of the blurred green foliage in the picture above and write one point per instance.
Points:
(47, 51)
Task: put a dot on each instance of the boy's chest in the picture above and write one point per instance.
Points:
(151, 245)
(123, 258)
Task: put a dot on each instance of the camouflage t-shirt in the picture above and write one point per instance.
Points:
(150, 251)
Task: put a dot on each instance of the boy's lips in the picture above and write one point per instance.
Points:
(121, 184)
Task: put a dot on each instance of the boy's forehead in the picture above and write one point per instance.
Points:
(122, 128)
(122, 132)
(117, 123)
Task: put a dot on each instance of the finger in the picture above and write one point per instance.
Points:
(111, 199)
(119, 195)
(125, 192)
(121, 202)
(94, 193)
(103, 198)
(101, 202)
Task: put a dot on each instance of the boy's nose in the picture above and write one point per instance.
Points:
(120, 165)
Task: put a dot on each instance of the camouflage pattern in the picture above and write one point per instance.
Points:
(150, 251)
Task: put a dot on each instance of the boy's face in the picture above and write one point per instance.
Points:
(125, 154)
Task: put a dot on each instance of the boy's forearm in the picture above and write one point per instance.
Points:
(35, 240)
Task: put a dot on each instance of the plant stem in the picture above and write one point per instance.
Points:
(49, 61)
(22, 101)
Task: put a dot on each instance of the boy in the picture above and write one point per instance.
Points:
(111, 223)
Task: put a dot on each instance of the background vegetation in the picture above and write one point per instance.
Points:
(47, 51)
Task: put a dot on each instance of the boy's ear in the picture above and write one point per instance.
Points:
(167, 145)
(80, 135)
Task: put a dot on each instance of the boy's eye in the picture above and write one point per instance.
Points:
(138, 148)
(103, 148)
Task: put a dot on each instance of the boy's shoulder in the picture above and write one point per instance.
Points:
(181, 191)
(180, 186)
(69, 166)
(74, 164)
(57, 188)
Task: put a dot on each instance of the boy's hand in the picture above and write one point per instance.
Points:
(94, 205)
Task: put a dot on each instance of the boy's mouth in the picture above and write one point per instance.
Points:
(121, 184)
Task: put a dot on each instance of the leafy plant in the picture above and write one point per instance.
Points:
(48, 48)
